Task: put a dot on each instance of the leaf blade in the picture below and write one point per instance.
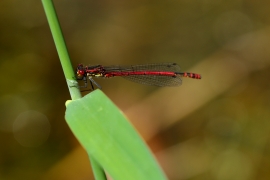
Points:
(108, 137)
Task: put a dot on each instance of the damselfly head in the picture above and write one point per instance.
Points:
(80, 71)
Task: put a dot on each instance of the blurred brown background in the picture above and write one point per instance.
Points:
(215, 128)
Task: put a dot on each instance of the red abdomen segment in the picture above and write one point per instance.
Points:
(154, 73)
(148, 73)
(190, 75)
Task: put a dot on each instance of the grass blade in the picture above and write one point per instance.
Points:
(110, 139)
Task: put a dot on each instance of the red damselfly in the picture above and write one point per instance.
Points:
(162, 74)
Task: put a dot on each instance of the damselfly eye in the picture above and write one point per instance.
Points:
(80, 72)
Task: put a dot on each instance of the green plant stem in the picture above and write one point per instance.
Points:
(96, 169)
(67, 66)
(61, 49)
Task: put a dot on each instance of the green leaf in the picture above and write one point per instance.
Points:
(110, 139)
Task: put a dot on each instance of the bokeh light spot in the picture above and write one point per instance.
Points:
(31, 128)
